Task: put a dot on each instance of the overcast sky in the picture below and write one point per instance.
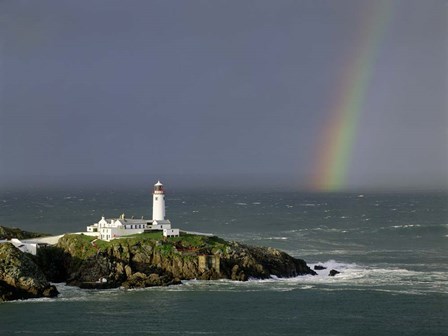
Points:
(215, 92)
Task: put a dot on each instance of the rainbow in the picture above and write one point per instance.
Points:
(336, 143)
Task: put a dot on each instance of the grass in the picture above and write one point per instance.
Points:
(156, 235)
(185, 240)
(83, 247)
(8, 233)
(204, 244)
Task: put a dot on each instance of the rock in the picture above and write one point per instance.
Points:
(20, 277)
(128, 270)
(143, 262)
(50, 260)
(237, 274)
(120, 268)
(141, 280)
(9, 233)
(94, 285)
(136, 280)
(319, 267)
(260, 262)
(134, 263)
(50, 291)
(333, 272)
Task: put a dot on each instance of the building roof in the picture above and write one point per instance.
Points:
(161, 221)
(132, 220)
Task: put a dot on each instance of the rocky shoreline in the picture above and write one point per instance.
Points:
(143, 260)
(20, 277)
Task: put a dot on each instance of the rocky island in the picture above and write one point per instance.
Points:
(142, 260)
(132, 253)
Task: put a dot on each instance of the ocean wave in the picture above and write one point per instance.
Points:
(383, 278)
(405, 226)
(352, 276)
(76, 294)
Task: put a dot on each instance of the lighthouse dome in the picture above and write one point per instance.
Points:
(158, 188)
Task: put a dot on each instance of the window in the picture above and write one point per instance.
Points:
(157, 198)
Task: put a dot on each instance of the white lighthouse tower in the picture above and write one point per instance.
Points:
(158, 202)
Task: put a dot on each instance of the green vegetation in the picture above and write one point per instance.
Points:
(8, 233)
(156, 235)
(165, 249)
(199, 244)
(80, 245)
(184, 240)
(83, 246)
(195, 240)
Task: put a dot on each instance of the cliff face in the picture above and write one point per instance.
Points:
(140, 261)
(243, 262)
(149, 260)
(20, 277)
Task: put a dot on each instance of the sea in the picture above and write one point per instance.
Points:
(391, 250)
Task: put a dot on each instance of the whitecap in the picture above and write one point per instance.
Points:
(405, 226)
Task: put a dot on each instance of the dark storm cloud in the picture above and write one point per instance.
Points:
(228, 90)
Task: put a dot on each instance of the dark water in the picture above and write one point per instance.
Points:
(392, 250)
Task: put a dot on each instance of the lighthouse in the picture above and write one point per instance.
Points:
(113, 228)
(158, 202)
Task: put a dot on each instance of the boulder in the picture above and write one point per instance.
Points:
(141, 280)
(319, 267)
(20, 277)
(242, 262)
(333, 272)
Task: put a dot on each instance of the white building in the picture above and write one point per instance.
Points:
(108, 229)
(171, 232)
(27, 247)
